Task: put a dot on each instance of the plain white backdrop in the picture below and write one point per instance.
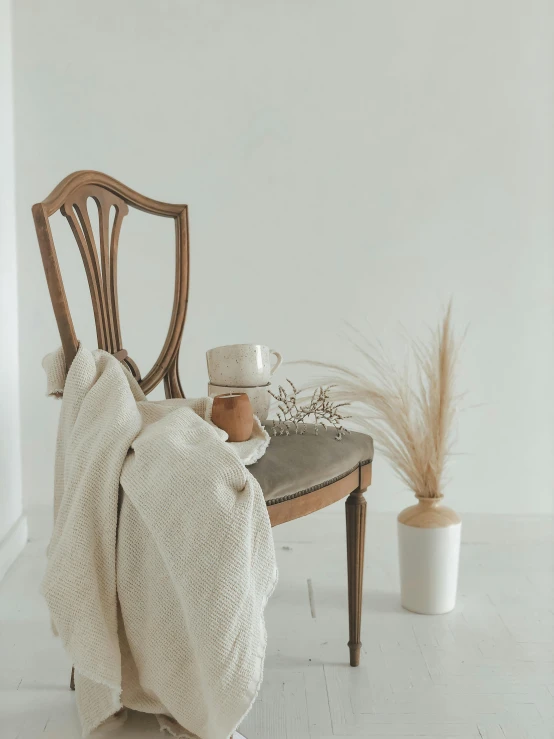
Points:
(341, 160)
(13, 527)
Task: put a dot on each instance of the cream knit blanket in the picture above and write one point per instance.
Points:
(157, 590)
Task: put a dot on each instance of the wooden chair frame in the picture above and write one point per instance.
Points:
(70, 198)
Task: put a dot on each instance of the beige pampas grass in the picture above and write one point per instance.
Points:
(409, 413)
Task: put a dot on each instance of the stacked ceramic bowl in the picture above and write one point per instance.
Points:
(243, 368)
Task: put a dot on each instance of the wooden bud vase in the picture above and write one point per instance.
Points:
(233, 413)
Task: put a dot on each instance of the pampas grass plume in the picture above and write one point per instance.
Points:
(410, 415)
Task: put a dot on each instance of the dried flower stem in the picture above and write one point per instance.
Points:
(320, 407)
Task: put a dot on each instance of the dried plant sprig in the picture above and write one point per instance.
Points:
(320, 407)
(410, 416)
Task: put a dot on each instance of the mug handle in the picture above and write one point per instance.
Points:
(277, 363)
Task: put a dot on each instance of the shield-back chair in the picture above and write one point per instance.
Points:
(299, 474)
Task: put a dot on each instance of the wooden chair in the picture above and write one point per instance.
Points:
(299, 474)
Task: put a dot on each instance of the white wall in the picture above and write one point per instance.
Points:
(13, 528)
(340, 159)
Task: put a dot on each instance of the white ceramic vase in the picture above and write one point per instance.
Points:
(429, 554)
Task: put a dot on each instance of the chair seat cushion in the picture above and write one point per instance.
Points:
(298, 464)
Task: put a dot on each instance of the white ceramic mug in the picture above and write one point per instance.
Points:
(241, 365)
(260, 399)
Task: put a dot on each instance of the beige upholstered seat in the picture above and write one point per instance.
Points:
(297, 464)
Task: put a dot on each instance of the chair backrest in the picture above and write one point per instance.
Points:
(70, 198)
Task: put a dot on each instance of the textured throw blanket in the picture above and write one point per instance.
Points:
(161, 559)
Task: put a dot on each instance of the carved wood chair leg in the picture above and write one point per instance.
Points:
(72, 680)
(355, 541)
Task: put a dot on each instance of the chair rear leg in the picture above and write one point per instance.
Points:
(355, 541)
(72, 680)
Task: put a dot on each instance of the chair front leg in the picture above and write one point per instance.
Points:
(355, 541)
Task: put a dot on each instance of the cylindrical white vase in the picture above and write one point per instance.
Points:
(429, 554)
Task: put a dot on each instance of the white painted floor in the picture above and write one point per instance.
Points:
(486, 670)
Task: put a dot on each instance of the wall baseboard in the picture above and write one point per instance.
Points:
(13, 544)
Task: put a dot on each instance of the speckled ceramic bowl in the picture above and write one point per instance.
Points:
(241, 365)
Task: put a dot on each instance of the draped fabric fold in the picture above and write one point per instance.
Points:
(161, 560)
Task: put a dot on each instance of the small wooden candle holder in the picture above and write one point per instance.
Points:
(232, 412)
